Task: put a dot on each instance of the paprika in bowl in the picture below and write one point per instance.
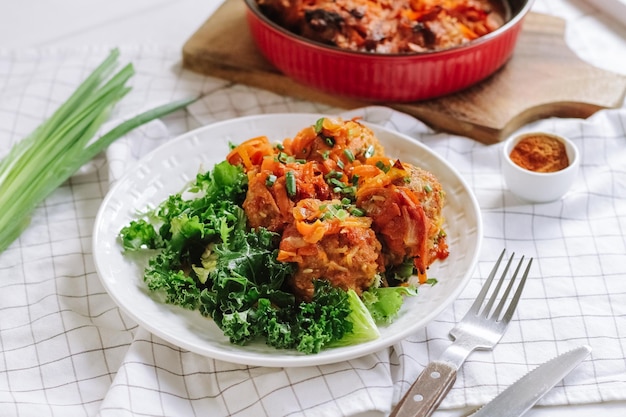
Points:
(540, 167)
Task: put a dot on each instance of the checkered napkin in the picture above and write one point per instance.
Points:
(68, 350)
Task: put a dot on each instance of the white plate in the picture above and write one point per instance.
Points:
(168, 169)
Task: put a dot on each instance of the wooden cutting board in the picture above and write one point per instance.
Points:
(543, 78)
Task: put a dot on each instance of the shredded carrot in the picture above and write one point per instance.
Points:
(250, 153)
(287, 256)
(421, 276)
(272, 165)
(282, 199)
(312, 232)
(300, 145)
(365, 171)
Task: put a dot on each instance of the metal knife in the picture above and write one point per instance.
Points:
(523, 394)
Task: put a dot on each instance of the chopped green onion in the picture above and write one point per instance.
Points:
(333, 174)
(271, 180)
(335, 211)
(381, 165)
(357, 212)
(340, 164)
(348, 153)
(329, 141)
(319, 124)
(283, 157)
(38, 164)
(349, 190)
(428, 188)
(290, 183)
(369, 152)
(336, 182)
(341, 214)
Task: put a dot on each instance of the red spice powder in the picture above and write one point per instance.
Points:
(540, 153)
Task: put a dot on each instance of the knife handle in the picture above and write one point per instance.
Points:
(427, 391)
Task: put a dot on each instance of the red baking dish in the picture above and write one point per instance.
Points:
(386, 77)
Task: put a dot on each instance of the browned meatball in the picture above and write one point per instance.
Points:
(429, 192)
(261, 205)
(405, 206)
(269, 202)
(426, 188)
(346, 253)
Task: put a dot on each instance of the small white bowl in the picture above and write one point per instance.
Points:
(539, 187)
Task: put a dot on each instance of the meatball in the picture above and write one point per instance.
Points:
(343, 251)
(262, 204)
(405, 206)
(429, 192)
(270, 198)
(400, 221)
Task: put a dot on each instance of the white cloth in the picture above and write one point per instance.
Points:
(67, 350)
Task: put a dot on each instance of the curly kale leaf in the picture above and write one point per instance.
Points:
(165, 276)
(331, 318)
(207, 212)
(245, 271)
(324, 319)
(138, 235)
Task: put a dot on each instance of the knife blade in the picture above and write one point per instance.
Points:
(518, 398)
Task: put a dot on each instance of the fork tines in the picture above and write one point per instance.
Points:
(476, 310)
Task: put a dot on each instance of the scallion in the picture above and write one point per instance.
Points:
(270, 180)
(290, 183)
(319, 125)
(357, 212)
(38, 164)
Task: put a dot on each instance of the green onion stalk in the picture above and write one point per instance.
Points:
(54, 151)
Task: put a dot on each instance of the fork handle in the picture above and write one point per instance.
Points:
(427, 391)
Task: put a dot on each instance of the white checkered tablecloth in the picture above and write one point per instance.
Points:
(67, 350)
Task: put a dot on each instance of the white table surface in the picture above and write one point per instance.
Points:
(79, 23)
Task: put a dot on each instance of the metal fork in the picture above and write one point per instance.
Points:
(480, 329)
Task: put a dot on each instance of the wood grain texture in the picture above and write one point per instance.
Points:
(427, 392)
(544, 78)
